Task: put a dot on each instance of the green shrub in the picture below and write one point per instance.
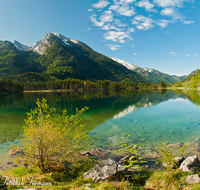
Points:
(167, 157)
(133, 160)
(50, 139)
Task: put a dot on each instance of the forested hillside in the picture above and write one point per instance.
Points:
(61, 61)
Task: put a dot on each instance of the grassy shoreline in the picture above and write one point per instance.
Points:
(23, 178)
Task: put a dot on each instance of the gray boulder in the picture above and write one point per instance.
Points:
(190, 179)
(190, 164)
(178, 160)
(106, 170)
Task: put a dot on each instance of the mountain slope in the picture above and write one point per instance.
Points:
(21, 46)
(57, 57)
(152, 74)
(65, 58)
(14, 61)
(192, 74)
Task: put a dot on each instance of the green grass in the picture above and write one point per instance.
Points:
(173, 180)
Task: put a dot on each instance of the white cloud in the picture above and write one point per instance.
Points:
(101, 4)
(187, 55)
(167, 32)
(90, 10)
(123, 9)
(188, 22)
(113, 47)
(88, 28)
(146, 4)
(169, 3)
(110, 27)
(123, 2)
(117, 36)
(95, 21)
(134, 54)
(126, 12)
(173, 53)
(195, 54)
(163, 23)
(130, 30)
(171, 12)
(118, 23)
(153, 37)
(167, 11)
(133, 46)
(106, 17)
(142, 22)
(113, 20)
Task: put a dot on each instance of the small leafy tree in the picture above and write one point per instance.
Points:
(133, 162)
(51, 139)
(167, 157)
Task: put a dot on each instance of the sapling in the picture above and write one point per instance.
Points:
(167, 157)
(132, 162)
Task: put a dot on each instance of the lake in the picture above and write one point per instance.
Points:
(150, 117)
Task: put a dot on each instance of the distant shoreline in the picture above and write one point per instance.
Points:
(62, 90)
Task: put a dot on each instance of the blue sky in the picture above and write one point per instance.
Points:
(159, 34)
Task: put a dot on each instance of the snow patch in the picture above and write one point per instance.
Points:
(18, 47)
(150, 70)
(36, 44)
(66, 42)
(130, 66)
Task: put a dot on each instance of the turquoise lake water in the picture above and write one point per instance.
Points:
(150, 118)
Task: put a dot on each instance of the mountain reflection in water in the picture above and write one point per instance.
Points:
(148, 116)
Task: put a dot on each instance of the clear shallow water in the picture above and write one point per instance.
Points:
(172, 121)
(150, 118)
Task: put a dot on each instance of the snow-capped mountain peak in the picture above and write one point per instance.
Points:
(147, 72)
(133, 67)
(20, 46)
(42, 45)
(126, 64)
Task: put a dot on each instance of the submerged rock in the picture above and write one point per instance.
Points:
(13, 153)
(106, 170)
(99, 154)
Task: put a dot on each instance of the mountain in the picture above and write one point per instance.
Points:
(42, 45)
(21, 46)
(193, 73)
(179, 78)
(152, 74)
(15, 61)
(57, 57)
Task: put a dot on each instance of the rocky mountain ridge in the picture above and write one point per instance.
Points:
(58, 57)
(150, 73)
(41, 45)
